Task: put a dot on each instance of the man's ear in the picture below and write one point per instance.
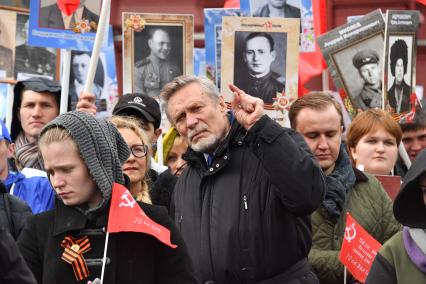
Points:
(222, 104)
(157, 133)
(10, 150)
(150, 43)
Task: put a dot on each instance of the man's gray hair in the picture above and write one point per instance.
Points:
(207, 86)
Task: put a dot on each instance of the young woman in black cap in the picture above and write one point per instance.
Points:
(83, 157)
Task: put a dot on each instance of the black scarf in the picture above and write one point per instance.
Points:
(339, 182)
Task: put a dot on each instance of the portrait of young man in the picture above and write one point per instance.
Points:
(260, 64)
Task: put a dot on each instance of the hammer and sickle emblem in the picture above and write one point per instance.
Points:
(350, 232)
(129, 202)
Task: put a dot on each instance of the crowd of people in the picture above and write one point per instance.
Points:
(245, 199)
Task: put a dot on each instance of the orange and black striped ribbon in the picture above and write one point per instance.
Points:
(73, 254)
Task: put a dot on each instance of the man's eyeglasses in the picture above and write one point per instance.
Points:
(139, 151)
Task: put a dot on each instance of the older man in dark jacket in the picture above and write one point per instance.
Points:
(243, 202)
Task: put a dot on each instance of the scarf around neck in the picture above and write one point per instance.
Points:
(27, 154)
(415, 246)
(339, 182)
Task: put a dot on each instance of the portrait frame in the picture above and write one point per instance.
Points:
(401, 46)
(366, 32)
(105, 86)
(350, 78)
(18, 43)
(49, 29)
(22, 5)
(136, 27)
(232, 52)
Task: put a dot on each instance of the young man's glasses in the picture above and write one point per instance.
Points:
(139, 151)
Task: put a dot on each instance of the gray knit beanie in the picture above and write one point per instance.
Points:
(101, 147)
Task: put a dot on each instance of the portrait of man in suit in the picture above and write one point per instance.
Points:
(52, 17)
(79, 69)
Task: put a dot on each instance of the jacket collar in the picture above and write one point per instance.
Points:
(69, 218)
(235, 137)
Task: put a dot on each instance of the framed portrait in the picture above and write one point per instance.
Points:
(53, 25)
(105, 80)
(157, 48)
(354, 56)
(360, 80)
(260, 56)
(400, 64)
(19, 60)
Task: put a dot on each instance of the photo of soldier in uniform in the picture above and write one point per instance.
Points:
(7, 41)
(79, 68)
(53, 17)
(367, 62)
(399, 74)
(359, 68)
(31, 60)
(260, 60)
(159, 58)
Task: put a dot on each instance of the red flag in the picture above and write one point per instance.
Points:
(68, 6)
(125, 215)
(422, 1)
(358, 249)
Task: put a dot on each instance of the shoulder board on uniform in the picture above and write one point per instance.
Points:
(143, 62)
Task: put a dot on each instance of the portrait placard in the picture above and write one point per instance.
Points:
(213, 40)
(19, 60)
(157, 48)
(53, 24)
(301, 9)
(105, 86)
(400, 62)
(260, 56)
(354, 56)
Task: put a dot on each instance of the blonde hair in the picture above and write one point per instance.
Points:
(55, 134)
(126, 122)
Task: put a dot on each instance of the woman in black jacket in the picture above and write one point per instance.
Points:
(83, 158)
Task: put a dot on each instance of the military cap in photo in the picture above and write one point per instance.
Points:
(365, 56)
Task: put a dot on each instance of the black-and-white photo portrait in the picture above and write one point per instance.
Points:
(260, 63)
(158, 58)
(53, 16)
(399, 73)
(79, 69)
(275, 8)
(359, 67)
(31, 60)
(7, 41)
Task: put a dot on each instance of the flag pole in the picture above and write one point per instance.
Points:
(404, 155)
(344, 275)
(104, 258)
(100, 33)
(65, 79)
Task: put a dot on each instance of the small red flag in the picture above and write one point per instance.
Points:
(358, 249)
(125, 215)
(68, 6)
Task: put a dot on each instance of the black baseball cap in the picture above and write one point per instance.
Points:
(139, 105)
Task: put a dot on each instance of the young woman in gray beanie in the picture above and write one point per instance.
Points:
(83, 158)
